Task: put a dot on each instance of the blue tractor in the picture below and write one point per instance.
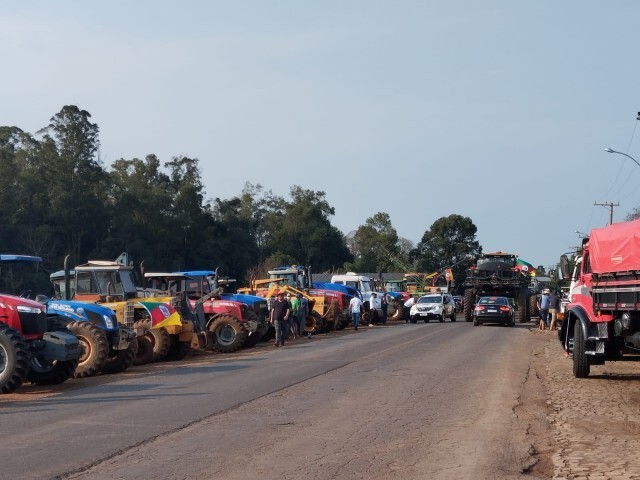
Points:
(105, 346)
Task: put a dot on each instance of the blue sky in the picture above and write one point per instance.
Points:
(498, 110)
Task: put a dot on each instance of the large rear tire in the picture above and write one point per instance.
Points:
(144, 350)
(120, 361)
(469, 297)
(581, 367)
(159, 337)
(94, 348)
(14, 359)
(227, 333)
(534, 311)
(523, 307)
(178, 349)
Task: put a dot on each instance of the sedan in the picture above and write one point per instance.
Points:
(493, 310)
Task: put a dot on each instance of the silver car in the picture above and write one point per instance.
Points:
(433, 305)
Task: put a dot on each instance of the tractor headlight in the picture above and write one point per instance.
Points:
(25, 309)
(108, 321)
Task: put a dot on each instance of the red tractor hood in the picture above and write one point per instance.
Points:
(14, 301)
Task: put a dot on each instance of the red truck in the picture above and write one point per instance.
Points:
(602, 319)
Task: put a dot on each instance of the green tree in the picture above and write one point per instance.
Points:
(302, 228)
(375, 245)
(77, 185)
(450, 241)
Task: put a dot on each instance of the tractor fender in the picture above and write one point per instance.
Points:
(576, 314)
(73, 311)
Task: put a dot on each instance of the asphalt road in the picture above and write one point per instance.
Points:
(398, 401)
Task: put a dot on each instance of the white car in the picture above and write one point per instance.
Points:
(433, 305)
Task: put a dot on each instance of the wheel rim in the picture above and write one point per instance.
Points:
(4, 359)
(42, 366)
(226, 335)
(85, 350)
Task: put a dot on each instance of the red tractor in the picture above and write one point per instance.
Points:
(31, 348)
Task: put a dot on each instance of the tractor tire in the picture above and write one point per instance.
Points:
(252, 337)
(581, 366)
(94, 348)
(178, 350)
(314, 324)
(144, 351)
(469, 298)
(160, 339)
(523, 307)
(119, 362)
(227, 334)
(14, 359)
(45, 372)
(534, 311)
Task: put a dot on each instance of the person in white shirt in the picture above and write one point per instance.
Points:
(406, 311)
(374, 305)
(355, 305)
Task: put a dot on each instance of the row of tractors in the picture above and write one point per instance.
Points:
(106, 316)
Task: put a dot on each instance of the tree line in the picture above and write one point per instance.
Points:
(58, 199)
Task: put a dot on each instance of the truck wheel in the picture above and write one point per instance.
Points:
(468, 304)
(581, 367)
(119, 362)
(94, 348)
(14, 359)
(144, 350)
(160, 339)
(227, 333)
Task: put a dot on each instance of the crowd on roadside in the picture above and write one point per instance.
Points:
(549, 306)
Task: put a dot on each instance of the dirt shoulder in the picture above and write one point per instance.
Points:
(580, 428)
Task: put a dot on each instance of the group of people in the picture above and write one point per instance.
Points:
(289, 314)
(357, 308)
(549, 305)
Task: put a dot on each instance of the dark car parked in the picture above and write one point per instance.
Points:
(493, 310)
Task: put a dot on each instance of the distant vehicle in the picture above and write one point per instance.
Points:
(494, 310)
(433, 305)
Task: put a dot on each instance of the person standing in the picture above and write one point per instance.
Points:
(355, 306)
(406, 308)
(294, 303)
(304, 314)
(373, 309)
(384, 304)
(279, 318)
(543, 306)
(554, 306)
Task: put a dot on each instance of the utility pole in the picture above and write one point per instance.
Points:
(610, 207)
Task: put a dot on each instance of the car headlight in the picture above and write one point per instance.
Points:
(25, 309)
(413, 310)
